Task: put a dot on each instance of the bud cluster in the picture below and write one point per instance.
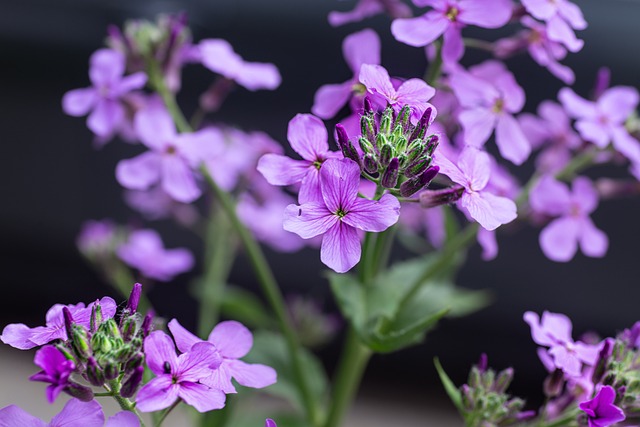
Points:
(395, 151)
(619, 367)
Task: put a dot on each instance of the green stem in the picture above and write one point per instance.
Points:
(435, 68)
(578, 163)
(167, 412)
(125, 404)
(156, 81)
(272, 292)
(382, 249)
(478, 44)
(348, 376)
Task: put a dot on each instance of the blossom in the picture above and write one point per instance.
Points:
(74, 414)
(97, 238)
(104, 98)
(601, 412)
(340, 214)
(412, 92)
(358, 48)
(171, 159)
(447, 18)
(560, 239)
(562, 18)
(218, 56)
(489, 96)
(56, 370)
(22, 337)
(472, 171)
(178, 377)
(553, 330)
(308, 137)
(232, 340)
(602, 122)
(366, 8)
(144, 250)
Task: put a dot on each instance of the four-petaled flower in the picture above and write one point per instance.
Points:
(340, 215)
(601, 412)
(56, 370)
(562, 17)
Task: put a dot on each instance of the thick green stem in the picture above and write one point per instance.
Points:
(435, 68)
(353, 362)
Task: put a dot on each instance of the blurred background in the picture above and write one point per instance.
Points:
(52, 179)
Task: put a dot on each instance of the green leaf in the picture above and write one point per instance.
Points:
(350, 296)
(450, 388)
(244, 307)
(270, 348)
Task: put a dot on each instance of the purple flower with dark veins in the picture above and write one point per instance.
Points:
(103, 99)
(179, 377)
(367, 8)
(56, 370)
(601, 412)
(340, 214)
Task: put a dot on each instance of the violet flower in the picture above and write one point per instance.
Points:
(232, 340)
(447, 18)
(367, 8)
(553, 330)
(172, 157)
(20, 336)
(562, 17)
(56, 370)
(270, 423)
(103, 99)
(601, 412)
(144, 250)
(179, 377)
(489, 96)
(340, 215)
(560, 239)
(413, 92)
(218, 56)
(97, 238)
(308, 137)
(472, 172)
(358, 48)
(74, 414)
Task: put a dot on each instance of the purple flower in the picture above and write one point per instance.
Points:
(270, 423)
(412, 92)
(97, 238)
(560, 239)
(489, 96)
(554, 331)
(358, 48)
(340, 214)
(74, 414)
(447, 18)
(171, 159)
(179, 377)
(601, 412)
(103, 99)
(20, 336)
(562, 18)
(56, 370)
(473, 171)
(366, 8)
(308, 137)
(144, 250)
(602, 122)
(232, 341)
(218, 56)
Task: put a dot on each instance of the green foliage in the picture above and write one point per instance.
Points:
(245, 307)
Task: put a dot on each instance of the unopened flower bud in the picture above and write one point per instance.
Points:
(80, 342)
(110, 328)
(418, 167)
(131, 384)
(467, 397)
(129, 328)
(94, 373)
(474, 379)
(412, 186)
(370, 164)
(554, 383)
(147, 323)
(601, 364)
(366, 146)
(342, 138)
(503, 380)
(123, 353)
(385, 121)
(390, 174)
(134, 298)
(80, 392)
(368, 128)
(68, 321)
(386, 153)
(416, 150)
(111, 369)
(433, 198)
(432, 143)
(403, 118)
(368, 108)
(422, 126)
(134, 362)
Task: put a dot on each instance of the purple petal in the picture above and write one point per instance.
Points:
(363, 9)
(79, 102)
(159, 348)
(252, 375)
(218, 56)
(576, 106)
(587, 353)
(572, 14)
(123, 419)
(540, 9)
(478, 125)
(618, 103)
(269, 423)
(558, 326)
(310, 190)
(489, 244)
(330, 99)
(489, 210)
(308, 136)
(485, 14)
(197, 147)
(566, 360)
(14, 416)
(559, 31)
(511, 141)
(178, 179)
(106, 117)
(559, 239)
(170, 263)
(308, 220)
(258, 75)
(232, 339)
(626, 144)
(585, 194)
(79, 414)
(106, 67)
(452, 45)
(220, 379)
(198, 362)
(369, 215)
(594, 132)
(448, 168)
(415, 91)
(476, 167)
(420, 31)
(538, 332)
(157, 394)
(550, 197)
(340, 249)
(282, 170)
(376, 79)
(201, 397)
(129, 83)
(184, 339)
(140, 172)
(472, 91)
(18, 335)
(339, 183)
(154, 126)
(360, 48)
(593, 242)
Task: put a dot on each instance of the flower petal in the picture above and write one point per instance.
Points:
(232, 339)
(360, 48)
(14, 416)
(79, 414)
(308, 136)
(478, 125)
(178, 179)
(559, 31)
(106, 67)
(330, 99)
(184, 339)
(559, 239)
(129, 83)
(340, 249)
(575, 105)
(308, 220)
(198, 362)
(106, 117)
(258, 75)
(511, 141)
(452, 45)
(490, 211)
(252, 375)
(79, 102)
(618, 103)
(550, 196)
(157, 394)
(140, 172)
(376, 216)
(18, 335)
(282, 170)
(485, 14)
(376, 79)
(593, 242)
(159, 348)
(123, 419)
(420, 31)
(201, 397)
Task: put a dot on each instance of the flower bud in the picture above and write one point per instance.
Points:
(368, 108)
(416, 150)
(370, 164)
(433, 198)
(386, 153)
(147, 324)
(554, 383)
(94, 374)
(68, 321)
(601, 364)
(412, 186)
(386, 121)
(402, 120)
(131, 384)
(423, 124)
(111, 369)
(418, 167)
(390, 174)
(366, 146)
(134, 298)
(503, 380)
(368, 128)
(80, 342)
(342, 138)
(134, 362)
(474, 379)
(432, 143)
(110, 328)
(80, 392)
(129, 328)
(96, 316)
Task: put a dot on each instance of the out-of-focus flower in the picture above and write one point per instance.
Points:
(367, 8)
(562, 17)
(601, 412)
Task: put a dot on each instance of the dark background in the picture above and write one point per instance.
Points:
(51, 178)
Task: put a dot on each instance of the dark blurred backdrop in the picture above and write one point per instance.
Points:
(52, 179)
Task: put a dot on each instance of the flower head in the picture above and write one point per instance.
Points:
(56, 370)
(601, 412)
(562, 17)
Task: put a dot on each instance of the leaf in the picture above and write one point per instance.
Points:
(450, 388)
(350, 296)
(244, 307)
(270, 348)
